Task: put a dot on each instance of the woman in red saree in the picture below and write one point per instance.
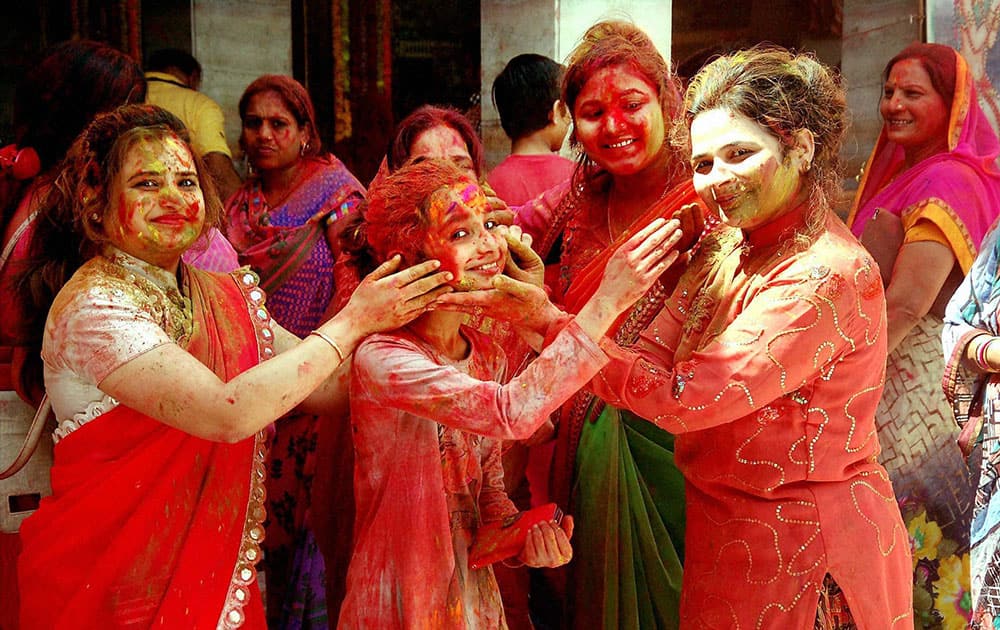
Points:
(163, 380)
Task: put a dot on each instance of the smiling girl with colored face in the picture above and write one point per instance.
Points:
(160, 207)
(432, 401)
(623, 99)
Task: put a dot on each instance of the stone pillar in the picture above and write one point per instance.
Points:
(236, 41)
(874, 31)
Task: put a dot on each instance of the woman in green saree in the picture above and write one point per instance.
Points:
(614, 471)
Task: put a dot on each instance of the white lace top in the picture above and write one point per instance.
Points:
(114, 308)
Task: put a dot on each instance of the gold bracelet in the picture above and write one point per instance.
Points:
(333, 344)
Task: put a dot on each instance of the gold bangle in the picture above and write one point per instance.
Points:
(333, 344)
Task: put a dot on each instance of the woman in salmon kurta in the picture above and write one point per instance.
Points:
(429, 410)
(767, 363)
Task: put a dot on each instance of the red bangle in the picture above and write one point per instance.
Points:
(981, 351)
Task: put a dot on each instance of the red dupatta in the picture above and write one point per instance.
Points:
(624, 331)
(149, 526)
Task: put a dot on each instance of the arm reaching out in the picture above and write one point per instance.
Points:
(172, 386)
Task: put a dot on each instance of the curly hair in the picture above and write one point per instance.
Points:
(396, 218)
(69, 225)
(784, 92)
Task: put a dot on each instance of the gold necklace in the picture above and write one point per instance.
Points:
(167, 305)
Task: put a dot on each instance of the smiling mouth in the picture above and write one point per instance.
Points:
(899, 123)
(492, 267)
(621, 144)
(172, 219)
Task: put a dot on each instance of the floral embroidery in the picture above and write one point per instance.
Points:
(869, 283)
(767, 415)
(647, 379)
(683, 372)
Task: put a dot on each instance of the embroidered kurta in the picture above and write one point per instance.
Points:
(774, 416)
(427, 470)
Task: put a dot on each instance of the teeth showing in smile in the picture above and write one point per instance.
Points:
(623, 143)
(487, 267)
(899, 123)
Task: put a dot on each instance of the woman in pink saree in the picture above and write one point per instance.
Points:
(930, 191)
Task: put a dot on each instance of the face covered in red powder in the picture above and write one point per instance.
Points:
(157, 207)
(619, 121)
(463, 236)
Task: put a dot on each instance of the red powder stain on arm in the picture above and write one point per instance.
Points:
(231, 400)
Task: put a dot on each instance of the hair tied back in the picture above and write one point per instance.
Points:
(20, 163)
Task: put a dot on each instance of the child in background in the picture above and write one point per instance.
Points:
(429, 409)
(526, 95)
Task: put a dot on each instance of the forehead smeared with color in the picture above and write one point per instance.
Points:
(399, 211)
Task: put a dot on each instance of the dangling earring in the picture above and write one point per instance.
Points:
(302, 149)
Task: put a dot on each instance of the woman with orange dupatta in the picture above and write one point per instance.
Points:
(931, 190)
(615, 471)
(164, 379)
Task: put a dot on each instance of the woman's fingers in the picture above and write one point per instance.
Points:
(406, 276)
(421, 285)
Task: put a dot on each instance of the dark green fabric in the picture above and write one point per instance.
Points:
(628, 545)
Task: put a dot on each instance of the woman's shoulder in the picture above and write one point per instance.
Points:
(332, 171)
(93, 281)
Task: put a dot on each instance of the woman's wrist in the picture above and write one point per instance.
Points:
(341, 333)
(983, 350)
